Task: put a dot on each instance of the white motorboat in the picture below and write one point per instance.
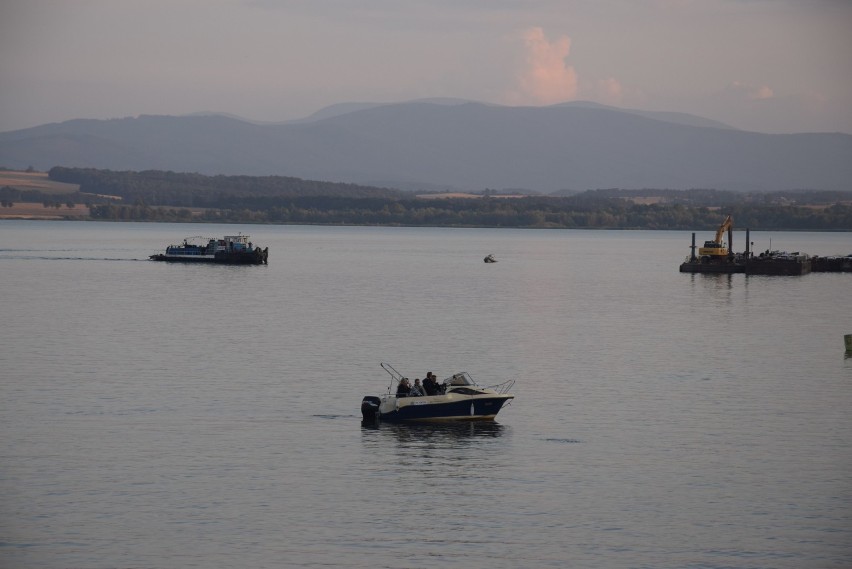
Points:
(457, 398)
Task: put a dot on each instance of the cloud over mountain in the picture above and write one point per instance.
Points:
(547, 79)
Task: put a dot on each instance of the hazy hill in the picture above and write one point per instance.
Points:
(468, 146)
(665, 116)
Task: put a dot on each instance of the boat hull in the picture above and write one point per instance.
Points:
(449, 407)
(219, 259)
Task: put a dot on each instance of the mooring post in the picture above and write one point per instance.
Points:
(748, 244)
(692, 247)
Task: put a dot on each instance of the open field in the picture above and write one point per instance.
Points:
(35, 181)
(38, 211)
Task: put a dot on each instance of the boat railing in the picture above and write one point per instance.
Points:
(503, 388)
(396, 377)
(390, 369)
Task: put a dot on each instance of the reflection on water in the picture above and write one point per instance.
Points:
(448, 434)
(714, 284)
(441, 447)
(422, 458)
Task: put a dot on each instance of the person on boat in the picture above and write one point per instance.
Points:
(404, 388)
(417, 389)
(430, 385)
(442, 387)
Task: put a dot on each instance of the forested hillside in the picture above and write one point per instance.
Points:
(170, 196)
(155, 187)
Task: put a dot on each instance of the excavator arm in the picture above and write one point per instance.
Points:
(723, 228)
(716, 248)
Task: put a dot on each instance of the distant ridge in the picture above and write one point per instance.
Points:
(346, 108)
(454, 145)
(667, 116)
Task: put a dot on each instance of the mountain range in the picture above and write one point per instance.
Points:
(452, 145)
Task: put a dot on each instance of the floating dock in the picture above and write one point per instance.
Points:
(767, 263)
(833, 264)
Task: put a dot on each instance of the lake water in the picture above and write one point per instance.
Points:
(169, 416)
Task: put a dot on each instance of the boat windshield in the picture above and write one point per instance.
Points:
(461, 378)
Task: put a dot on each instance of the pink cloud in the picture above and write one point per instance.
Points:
(609, 91)
(763, 92)
(751, 92)
(546, 79)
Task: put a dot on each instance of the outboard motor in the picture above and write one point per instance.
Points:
(370, 409)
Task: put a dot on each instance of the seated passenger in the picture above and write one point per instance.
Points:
(417, 389)
(404, 388)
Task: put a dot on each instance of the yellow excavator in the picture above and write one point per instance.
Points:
(717, 248)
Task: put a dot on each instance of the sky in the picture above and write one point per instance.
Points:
(775, 66)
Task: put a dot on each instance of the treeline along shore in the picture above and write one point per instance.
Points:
(170, 196)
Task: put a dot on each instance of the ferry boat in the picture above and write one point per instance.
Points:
(457, 398)
(228, 250)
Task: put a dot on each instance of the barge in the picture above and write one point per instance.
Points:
(716, 258)
(228, 250)
(832, 264)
